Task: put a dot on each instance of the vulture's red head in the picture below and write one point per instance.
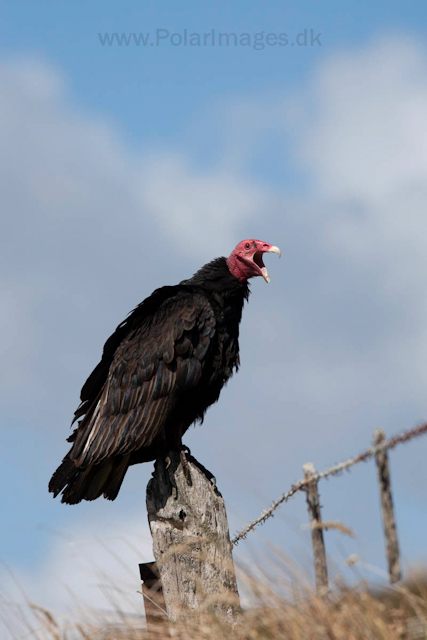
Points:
(246, 260)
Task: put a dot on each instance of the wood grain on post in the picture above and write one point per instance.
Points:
(154, 602)
(389, 522)
(320, 566)
(191, 541)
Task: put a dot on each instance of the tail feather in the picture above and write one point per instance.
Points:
(116, 478)
(89, 483)
(94, 486)
(62, 476)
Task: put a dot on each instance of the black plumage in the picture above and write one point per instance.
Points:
(160, 370)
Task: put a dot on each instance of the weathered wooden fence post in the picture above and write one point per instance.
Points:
(191, 543)
(389, 523)
(320, 566)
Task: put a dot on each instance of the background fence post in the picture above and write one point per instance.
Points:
(389, 523)
(320, 566)
(191, 543)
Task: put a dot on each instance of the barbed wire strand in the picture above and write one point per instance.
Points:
(329, 471)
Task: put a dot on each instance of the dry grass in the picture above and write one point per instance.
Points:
(277, 606)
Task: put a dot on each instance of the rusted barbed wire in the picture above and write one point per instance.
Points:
(329, 471)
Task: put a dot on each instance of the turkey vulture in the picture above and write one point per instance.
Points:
(159, 372)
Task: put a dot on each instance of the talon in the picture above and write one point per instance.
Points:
(168, 462)
(184, 463)
(183, 458)
(213, 480)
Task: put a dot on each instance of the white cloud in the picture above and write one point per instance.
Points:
(201, 209)
(360, 123)
(85, 572)
(365, 149)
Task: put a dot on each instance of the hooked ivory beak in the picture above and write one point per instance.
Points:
(275, 250)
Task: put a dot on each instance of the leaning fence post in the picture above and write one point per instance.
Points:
(191, 543)
(389, 522)
(320, 566)
(154, 602)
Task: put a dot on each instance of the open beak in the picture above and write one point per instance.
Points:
(259, 261)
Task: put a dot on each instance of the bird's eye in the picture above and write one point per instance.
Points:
(247, 245)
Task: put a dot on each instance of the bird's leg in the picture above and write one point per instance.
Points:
(183, 449)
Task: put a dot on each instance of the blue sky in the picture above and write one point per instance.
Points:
(125, 168)
(155, 94)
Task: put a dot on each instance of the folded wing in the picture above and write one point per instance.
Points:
(150, 368)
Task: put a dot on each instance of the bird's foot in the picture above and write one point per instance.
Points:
(184, 447)
(183, 452)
